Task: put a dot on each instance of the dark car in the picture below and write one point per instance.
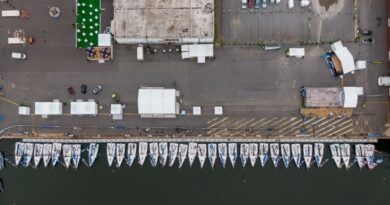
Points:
(71, 90)
(250, 4)
(1, 185)
(366, 32)
(368, 41)
(83, 88)
(97, 89)
(257, 4)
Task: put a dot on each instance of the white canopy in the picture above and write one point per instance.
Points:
(200, 51)
(104, 39)
(345, 57)
(351, 96)
(48, 108)
(116, 111)
(157, 102)
(24, 110)
(296, 52)
(83, 108)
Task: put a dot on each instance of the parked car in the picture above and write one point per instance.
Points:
(368, 41)
(257, 4)
(18, 56)
(366, 32)
(71, 90)
(290, 4)
(384, 81)
(250, 4)
(243, 4)
(271, 1)
(278, 1)
(264, 4)
(83, 88)
(97, 89)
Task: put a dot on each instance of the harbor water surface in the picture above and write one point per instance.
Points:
(171, 185)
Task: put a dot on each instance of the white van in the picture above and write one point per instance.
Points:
(10, 13)
(13, 40)
(18, 56)
(140, 52)
(384, 81)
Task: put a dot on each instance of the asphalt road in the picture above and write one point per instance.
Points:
(247, 81)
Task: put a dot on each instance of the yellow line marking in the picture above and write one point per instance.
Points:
(8, 100)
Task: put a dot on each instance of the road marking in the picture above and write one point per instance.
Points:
(267, 122)
(277, 122)
(9, 101)
(251, 120)
(329, 125)
(337, 126)
(210, 121)
(291, 125)
(340, 130)
(257, 122)
(213, 125)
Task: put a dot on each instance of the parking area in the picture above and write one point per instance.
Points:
(278, 24)
(252, 85)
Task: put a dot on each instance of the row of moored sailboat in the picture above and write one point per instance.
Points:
(167, 153)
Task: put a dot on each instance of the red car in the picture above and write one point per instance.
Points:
(250, 4)
(71, 90)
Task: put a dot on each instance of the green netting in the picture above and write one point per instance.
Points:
(88, 23)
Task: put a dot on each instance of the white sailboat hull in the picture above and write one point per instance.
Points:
(192, 150)
(172, 155)
(55, 155)
(232, 153)
(222, 149)
(131, 153)
(47, 149)
(202, 154)
(163, 153)
(183, 149)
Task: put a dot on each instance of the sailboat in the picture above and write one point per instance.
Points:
(131, 153)
(38, 153)
(318, 153)
(173, 149)
(360, 154)
(232, 153)
(307, 154)
(111, 147)
(120, 154)
(336, 154)
(192, 150)
(253, 153)
(264, 152)
(286, 154)
(19, 152)
(244, 153)
(274, 149)
(153, 153)
(28, 153)
(67, 154)
(296, 154)
(163, 152)
(222, 150)
(142, 152)
(47, 150)
(345, 154)
(56, 153)
(76, 154)
(202, 154)
(369, 151)
(92, 153)
(212, 150)
(183, 149)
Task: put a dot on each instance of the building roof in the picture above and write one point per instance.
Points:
(345, 57)
(48, 108)
(351, 95)
(156, 101)
(156, 21)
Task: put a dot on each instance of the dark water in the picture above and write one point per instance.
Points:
(147, 185)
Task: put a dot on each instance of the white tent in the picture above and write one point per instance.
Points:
(23, 110)
(116, 111)
(296, 52)
(199, 51)
(157, 102)
(345, 57)
(351, 95)
(48, 108)
(83, 108)
(104, 39)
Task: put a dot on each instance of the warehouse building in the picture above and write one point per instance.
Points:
(163, 21)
